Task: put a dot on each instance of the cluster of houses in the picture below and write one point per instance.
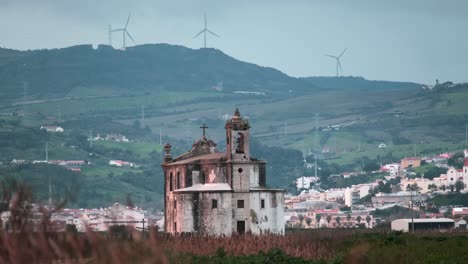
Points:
(122, 164)
(445, 182)
(72, 165)
(308, 209)
(112, 137)
(100, 220)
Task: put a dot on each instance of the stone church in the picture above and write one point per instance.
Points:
(220, 193)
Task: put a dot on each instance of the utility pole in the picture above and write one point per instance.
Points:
(315, 165)
(47, 151)
(50, 192)
(59, 113)
(412, 212)
(466, 133)
(25, 86)
(91, 139)
(414, 150)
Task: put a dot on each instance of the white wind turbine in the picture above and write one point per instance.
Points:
(204, 31)
(338, 63)
(124, 33)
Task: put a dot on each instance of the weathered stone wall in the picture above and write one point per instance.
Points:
(268, 219)
(215, 222)
(193, 212)
(241, 174)
(240, 214)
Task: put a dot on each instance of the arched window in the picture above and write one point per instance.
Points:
(240, 143)
(171, 187)
(178, 180)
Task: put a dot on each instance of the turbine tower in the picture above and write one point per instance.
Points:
(204, 31)
(338, 63)
(110, 35)
(124, 33)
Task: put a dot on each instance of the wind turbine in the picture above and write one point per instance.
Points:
(125, 32)
(110, 35)
(338, 63)
(204, 31)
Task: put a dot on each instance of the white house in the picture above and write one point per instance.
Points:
(52, 129)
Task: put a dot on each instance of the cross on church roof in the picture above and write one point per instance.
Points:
(204, 127)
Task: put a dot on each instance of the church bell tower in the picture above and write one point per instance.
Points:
(237, 138)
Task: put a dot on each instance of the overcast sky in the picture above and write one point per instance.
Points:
(404, 40)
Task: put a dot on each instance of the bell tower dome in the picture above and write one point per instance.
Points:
(237, 138)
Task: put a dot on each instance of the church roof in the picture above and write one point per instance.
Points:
(209, 187)
(210, 156)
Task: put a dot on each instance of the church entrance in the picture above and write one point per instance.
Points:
(241, 227)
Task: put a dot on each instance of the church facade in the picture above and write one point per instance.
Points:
(220, 193)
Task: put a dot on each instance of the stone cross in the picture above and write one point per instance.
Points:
(204, 127)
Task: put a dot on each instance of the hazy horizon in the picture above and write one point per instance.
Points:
(418, 41)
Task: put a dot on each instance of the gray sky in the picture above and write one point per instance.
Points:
(404, 40)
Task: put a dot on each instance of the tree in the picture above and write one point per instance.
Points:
(358, 219)
(368, 219)
(371, 166)
(308, 221)
(459, 185)
(443, 188)
(338, 219)
(432, 187)
(301, 218)
(328, 219)
(456, 160)
(452, 187)
(317, 218)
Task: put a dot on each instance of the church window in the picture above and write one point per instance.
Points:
(178, 180)
(240, 203)
(262, 176)
(240, 143)
(175, 226)
(240, 170)
(170, 182)
(202, 177)
(175, 204)
(214, 203)
(262, 203)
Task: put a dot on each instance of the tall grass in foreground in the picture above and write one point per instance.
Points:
(35, 243)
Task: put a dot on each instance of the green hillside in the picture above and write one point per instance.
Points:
(176, 89)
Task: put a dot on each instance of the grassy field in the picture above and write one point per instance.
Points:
(142, 149)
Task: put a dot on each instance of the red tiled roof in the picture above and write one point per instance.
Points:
(466, 163)
(412, 158)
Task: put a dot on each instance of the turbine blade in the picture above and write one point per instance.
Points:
(339, 65)
(342, 53)
(128, 34)
(128, 20)
(331, 56)
(205, 20)
(120, 29)
(212, 33)
(199, 33)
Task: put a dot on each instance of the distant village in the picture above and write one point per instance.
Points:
(348, 208)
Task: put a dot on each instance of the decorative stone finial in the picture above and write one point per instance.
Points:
(167, 149)
(237, 113)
